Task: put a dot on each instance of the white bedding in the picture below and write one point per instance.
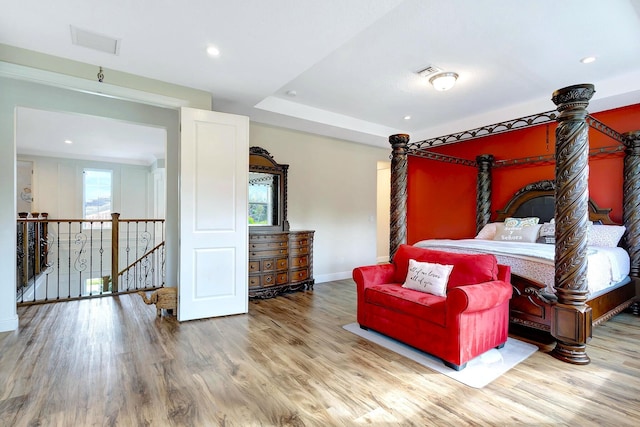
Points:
(606, 266)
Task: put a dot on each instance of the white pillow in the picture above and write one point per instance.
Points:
(518, 230)
(547, 233)
(605, 235)
(488, 232)
(428, 277)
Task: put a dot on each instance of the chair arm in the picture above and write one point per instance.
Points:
(504, 273)
(481, 296)
(373, 274)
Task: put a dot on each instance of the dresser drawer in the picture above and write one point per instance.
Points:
(299, 275)
(254, 266)
(262, 238)
(267, 280)
(299, 261)
(302, 250)
(282, 278)
(300, 242)
(262, 246)
(269, 253)
(254, 281)
(271, 264)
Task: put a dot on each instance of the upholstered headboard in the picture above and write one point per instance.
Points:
(537, 199)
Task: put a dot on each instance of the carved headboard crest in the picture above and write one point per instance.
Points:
(544, 185)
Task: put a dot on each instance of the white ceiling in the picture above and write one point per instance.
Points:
(353, 64)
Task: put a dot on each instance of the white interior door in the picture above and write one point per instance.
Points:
(214, 170)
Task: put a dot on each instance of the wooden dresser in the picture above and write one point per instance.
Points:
(280, 261)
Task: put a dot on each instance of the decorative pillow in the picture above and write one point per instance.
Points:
(605, 235)
(521, 222)
(488, 232)
(547, 233)
(518, 230)
(428, 277)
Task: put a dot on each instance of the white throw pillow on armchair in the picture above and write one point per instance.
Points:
(428, 277)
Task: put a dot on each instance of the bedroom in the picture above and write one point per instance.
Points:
(363, 205)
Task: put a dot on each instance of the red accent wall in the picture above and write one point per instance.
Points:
(441, 197)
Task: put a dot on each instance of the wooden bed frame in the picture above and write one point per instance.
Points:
(569, 315)
(530, 306)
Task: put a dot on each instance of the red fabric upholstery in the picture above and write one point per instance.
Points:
(468, 268)
(471, 319)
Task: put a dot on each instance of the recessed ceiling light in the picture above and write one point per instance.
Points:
(407, 117)
(68, 141)
(292, 93)
(213, 51)
(588, 59)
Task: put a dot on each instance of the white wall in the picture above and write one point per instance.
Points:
(57, 187)
(332, 190)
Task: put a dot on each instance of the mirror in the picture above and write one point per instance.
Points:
(263, 198)
(267, 192)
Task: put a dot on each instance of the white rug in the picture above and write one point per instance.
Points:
(479, 371)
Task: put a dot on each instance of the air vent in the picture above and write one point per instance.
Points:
(94, 41)
(431, 69)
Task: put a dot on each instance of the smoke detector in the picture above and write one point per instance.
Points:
(94, 41)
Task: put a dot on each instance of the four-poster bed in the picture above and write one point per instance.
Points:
(569, 311)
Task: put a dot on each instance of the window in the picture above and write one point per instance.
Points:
(97, 196)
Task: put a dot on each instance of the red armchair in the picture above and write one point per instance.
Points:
(471, 319)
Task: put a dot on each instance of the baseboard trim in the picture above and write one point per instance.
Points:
(9, 324)
(333, 276)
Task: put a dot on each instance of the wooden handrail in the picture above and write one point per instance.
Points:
(149, 252)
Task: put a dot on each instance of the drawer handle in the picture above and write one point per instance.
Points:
(268, 265)
(268, 279)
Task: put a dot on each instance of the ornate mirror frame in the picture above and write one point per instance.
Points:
(262, 162)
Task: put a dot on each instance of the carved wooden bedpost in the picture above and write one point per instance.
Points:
(571, 316)
(631, 199)
(398, 192)
(483, 191)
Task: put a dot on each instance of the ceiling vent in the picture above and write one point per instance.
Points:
(431, 69)
(94, 41)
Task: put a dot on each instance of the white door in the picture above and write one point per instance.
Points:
(214, 170)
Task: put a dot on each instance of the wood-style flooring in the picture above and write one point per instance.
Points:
(289, 362)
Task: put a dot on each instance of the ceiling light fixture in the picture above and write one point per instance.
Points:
(407, 117)
(588, 59)
(444, 81)
(213, 51)
(68, 141)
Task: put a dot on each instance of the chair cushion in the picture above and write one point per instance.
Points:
(407, 301)
(467, 268)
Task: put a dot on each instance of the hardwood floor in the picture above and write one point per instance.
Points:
(288, 362)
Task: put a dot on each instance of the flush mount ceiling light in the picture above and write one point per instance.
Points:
(588, 59)
(444, 81)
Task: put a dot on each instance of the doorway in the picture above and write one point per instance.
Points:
(383, 204)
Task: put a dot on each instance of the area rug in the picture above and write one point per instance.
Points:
(479, 371)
